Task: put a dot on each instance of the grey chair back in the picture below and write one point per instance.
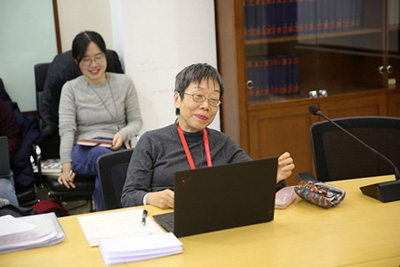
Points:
(112, 169)
(337, 156)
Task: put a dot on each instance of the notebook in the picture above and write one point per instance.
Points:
(4, 157)
(222, 197)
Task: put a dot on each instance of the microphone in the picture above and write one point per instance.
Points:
(385, 192)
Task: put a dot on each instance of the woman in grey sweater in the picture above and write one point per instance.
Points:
(188, 143)
(95, 105)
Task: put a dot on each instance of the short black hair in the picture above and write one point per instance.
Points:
(82, 41)
(196, 73)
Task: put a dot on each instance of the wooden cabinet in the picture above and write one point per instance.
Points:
(360, 104)
(394, 103)
(355, 59)
(277, 128)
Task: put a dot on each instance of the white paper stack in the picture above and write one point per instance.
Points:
(117, 224)
(29, 232)
(130, 249)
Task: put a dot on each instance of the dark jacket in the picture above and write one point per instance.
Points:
(29, 132)
(9, 128)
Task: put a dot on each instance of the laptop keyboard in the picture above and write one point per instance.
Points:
(166, 220)
(169, 219)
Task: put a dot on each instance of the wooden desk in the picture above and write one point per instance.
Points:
(361, 231)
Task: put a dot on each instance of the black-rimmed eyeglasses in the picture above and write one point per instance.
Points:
(201, 98)
(87, 61)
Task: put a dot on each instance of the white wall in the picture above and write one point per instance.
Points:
(158, 38)
(28, 37)
(154, 38)
(76, 16)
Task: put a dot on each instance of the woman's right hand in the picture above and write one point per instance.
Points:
(162, 199)
(67, 177)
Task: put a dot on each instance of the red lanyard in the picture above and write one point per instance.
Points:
(186, 148)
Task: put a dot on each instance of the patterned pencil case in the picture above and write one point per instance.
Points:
(320, 194)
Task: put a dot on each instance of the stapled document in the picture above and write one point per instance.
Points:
(118, 224)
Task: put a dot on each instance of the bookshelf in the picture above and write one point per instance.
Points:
(355, 60)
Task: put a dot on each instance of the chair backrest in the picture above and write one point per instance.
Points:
(111, 169)
(40, 70)
(337, 156)
(50, 144)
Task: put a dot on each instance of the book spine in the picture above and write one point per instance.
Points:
(265, 70)
(278, 18)
(331, 15)
(291, 15)
(301, 19)
(296, 73)
(250, 19)
(269, 7)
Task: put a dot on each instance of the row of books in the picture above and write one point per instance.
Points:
(275, 18)
(273, 76)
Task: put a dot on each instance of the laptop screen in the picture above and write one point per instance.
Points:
(222, 197)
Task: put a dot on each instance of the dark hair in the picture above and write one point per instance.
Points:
(196, 73)
(82, 41)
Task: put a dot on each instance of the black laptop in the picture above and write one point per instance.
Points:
(222, 197)
(4, 157)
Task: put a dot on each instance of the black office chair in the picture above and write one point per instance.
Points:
(337, 156)
(112, 169)
(51, 77)
(48, 148)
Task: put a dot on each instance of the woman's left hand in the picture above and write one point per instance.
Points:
(285, 167)
(117, 141)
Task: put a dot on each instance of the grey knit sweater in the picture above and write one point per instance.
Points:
(83, 113)
(159, 154)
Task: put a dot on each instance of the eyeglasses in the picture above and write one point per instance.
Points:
(87, 61)
(201, 98)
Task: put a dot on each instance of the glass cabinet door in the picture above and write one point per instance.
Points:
(393, 44)
(276, 69)
(314, 48)
(351, 53)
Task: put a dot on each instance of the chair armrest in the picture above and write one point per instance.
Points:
(37, 164)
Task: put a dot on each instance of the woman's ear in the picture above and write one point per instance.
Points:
(177, 99)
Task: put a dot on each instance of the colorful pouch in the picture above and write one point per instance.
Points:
(320, 194)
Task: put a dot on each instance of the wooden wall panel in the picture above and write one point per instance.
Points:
(373, 105)
(394, 104)
(274, 131)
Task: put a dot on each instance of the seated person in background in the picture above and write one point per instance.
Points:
(62, 69)
(185, 144)
(9, 128)
(98, 104)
